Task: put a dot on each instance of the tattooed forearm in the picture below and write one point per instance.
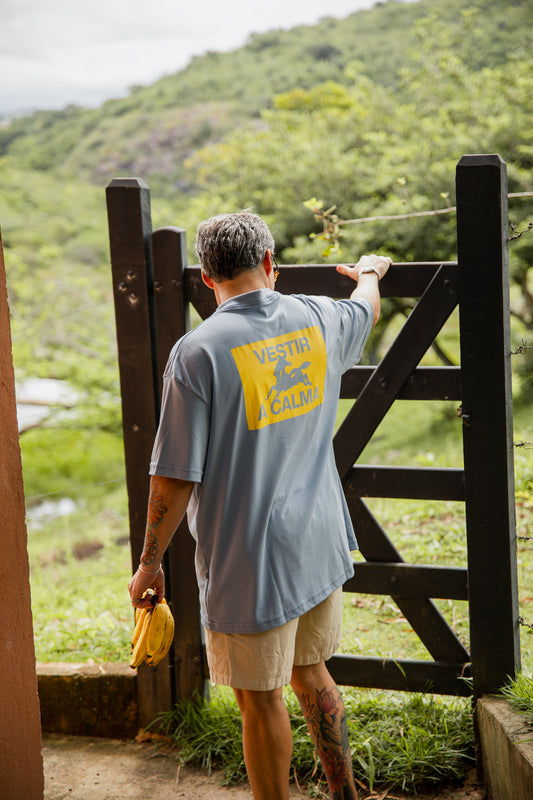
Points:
(326, 720)
(167, 505)
(157, 508)
(151, 549)
(156, 505)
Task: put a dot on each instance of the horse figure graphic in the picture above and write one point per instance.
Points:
(288, 380)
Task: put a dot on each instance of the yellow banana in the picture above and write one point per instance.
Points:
(159, 622)
(166, 642)
(140, 614)
(140, 652)
(160, 633)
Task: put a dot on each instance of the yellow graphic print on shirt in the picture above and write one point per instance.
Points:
(282, 377)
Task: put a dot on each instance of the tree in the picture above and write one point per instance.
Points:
(371, 152)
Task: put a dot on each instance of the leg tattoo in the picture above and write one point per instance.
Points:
(326, 720)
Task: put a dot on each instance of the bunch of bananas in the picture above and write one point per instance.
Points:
(153, 634)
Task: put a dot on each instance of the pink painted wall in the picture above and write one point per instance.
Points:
(21, 765)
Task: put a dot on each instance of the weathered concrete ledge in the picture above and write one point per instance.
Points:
(506, 745)
(88, 700)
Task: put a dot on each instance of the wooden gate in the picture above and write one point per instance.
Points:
(153, 287)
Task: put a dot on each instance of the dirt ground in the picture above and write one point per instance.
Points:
(80, 768)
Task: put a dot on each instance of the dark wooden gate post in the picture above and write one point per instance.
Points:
(487, 419)
(151, 314)
(128, 208)
(171, 314)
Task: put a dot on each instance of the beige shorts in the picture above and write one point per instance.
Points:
(264, 661)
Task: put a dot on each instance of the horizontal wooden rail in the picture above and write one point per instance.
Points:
(415, 483)
(409, 580)
(402, 280)
(424, 383)
(402, 674)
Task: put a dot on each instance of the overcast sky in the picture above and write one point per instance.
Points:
(56, 52)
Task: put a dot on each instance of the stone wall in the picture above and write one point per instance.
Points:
(506, 750)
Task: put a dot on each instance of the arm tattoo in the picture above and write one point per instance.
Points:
(151, 547)
(156, 506)
(156, 511)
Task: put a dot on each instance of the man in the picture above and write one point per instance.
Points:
(245, 447)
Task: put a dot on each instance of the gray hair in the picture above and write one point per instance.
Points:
(232, 243)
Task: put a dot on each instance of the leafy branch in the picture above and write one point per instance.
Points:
(522, 348)
(517, 234)
(330, 225)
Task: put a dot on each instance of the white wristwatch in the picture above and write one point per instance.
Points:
(364, 270)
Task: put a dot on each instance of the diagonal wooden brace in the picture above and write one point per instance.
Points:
(425, 321)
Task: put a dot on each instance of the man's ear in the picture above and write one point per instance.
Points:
(267, 262)
(208, 281)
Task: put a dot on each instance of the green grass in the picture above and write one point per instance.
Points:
(398, 741)
(79, 568)
(519, 694)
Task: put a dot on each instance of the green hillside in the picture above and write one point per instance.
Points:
(155, 128)
(370, 113)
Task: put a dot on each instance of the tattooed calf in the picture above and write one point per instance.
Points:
(326, 720)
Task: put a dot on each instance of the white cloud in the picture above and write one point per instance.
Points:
(67, 51)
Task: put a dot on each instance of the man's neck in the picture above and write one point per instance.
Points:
(245, 282)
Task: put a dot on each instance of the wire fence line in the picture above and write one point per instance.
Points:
(71, 489)
(413, 214)
(30, 328)
(324, 215)
(116, 573)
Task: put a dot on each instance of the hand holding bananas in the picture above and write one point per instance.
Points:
(141, 582)
(153, 634)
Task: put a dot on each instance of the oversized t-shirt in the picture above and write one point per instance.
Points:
(248, 413)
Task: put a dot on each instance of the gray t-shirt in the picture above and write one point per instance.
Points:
(249, 406)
